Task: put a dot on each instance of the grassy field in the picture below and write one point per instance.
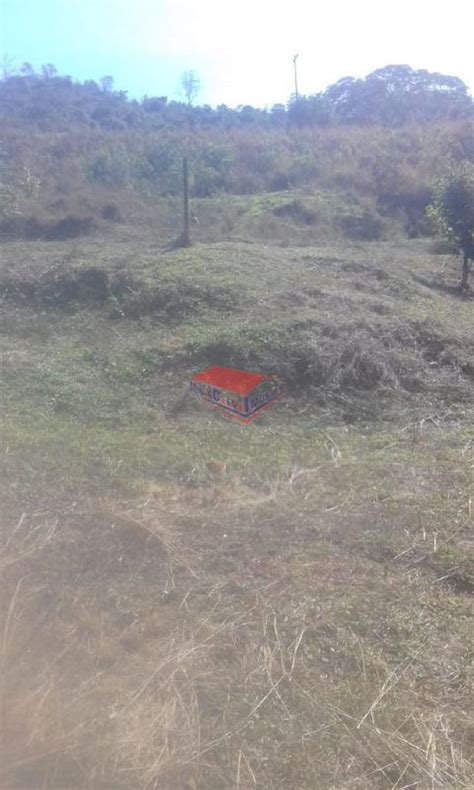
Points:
(192, 603)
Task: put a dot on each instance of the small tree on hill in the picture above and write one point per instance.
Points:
(7, 68)
(107, 83)
(191, 85)
(452, 213)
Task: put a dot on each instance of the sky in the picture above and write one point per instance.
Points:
(242, 50)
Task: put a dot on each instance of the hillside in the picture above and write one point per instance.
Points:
(193, 603)
(362, 157)
(190, 603)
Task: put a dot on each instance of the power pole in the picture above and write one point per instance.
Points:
(296, 75)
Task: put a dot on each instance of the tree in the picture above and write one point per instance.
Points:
(48, 70)
(7, 68)
(27, 70)
(452, 212)
(278, 114)
(107, 83)
(397, 95)
(191, 85)
(309, 110)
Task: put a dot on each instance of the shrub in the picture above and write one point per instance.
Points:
(109, 170)
(111, 213)
(280, 182)
(61, 288)
(33, 229)
(206, 181)
(161, 165)
(297, 211)
(452, 212)
(362, 227)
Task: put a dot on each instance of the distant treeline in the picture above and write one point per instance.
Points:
(393, 96)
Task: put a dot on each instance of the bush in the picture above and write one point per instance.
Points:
(297, 211)
(34, 229)
(108, 170)
(452, 212)
(247, 184)
(364, 227)
(70, 227)
(161, 165)
(303, 170)
(111, 213)
(61, 288)
(280, 182)
(207, 181)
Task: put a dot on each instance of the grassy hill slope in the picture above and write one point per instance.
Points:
(299, 185)
(194, 603)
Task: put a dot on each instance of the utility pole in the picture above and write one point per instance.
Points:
(296, 75)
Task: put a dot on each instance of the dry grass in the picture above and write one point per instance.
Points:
(238, 667)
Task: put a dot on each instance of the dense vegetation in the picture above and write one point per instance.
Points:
(72, 153)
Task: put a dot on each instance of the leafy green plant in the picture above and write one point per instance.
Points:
(452, 212)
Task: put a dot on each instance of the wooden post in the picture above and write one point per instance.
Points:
(186, 240)
(465, 273)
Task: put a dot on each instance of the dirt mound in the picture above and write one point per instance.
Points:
(127, 296)
(170, 301)
(61, 288)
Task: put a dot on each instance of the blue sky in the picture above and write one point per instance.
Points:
(241, 49)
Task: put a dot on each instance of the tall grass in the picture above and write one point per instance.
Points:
(75, 170)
